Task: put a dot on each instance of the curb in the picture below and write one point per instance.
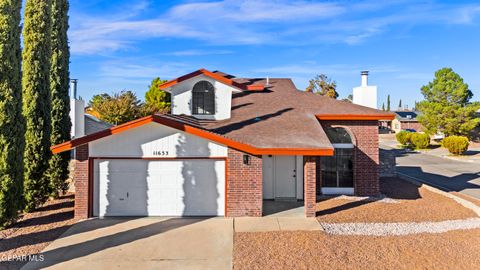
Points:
(440, 190)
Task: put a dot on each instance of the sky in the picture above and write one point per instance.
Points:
(123, 45)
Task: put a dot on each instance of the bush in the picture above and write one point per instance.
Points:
(456, 145)
(420, 140)
(403, 137)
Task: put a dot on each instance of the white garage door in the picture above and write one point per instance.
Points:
(132, 187)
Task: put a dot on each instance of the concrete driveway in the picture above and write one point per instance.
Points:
(142, 243)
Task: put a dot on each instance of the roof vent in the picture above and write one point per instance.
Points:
(267, 84)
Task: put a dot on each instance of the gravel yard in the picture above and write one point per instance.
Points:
(413, 204)
(34, 231)
(317, 250)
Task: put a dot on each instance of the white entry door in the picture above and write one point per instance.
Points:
(133, 187)
(285, 176)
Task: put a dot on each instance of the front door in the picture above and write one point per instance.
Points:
(285, 176)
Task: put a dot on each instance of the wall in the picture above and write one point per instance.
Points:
(149, 139)
(387, 163)
(182, 98)
(366, 157)
(244, 185)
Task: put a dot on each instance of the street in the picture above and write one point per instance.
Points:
(446, 174)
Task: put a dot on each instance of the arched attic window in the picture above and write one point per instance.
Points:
(203, 98)
(339, 136)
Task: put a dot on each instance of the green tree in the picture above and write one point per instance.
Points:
(383, 106)
(118, 108)
(59, 82)
(11, 120)
(447, 106)
(157, 100)
(36, 100)
(400, 105)
(323, 85)
(388, 103)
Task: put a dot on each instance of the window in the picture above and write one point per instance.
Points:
(203, 98)
(337, 170)
(338, 135)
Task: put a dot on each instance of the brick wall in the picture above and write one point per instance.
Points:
(244, 185)
(412, 125)
(81, 182)
(309, 178)
(366, 157)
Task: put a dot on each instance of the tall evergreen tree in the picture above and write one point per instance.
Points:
(388, 103)
(59, 81)
(36, 100)
(11, 120)
(383, 107)
(400, 105)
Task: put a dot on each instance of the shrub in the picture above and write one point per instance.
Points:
(403, 137)
(456, 145)
(420, 140)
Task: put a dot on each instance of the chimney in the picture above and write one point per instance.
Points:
(73, 88)
(77, 112)
(365, 95)
(364, 77)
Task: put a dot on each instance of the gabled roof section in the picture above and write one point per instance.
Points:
(218, 76)
(194, 129)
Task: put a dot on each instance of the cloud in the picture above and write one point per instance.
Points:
(253, 22)
(312, 69)
(199, 52)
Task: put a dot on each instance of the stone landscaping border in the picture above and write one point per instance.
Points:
(401, 228)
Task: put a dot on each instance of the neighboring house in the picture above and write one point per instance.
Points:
(229, 144)
(406, 120)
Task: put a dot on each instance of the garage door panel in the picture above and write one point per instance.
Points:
(159, 188)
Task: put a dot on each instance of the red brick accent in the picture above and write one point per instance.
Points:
(366, 157)
(309, 177)
(81, 181)
(244, 185)
(411, 125)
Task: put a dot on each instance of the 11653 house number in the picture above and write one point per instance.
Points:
(160, 153)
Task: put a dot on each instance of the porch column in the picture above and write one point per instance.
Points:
(309, 178)
(81, 178)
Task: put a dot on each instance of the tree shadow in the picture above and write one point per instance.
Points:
(70, 252)
(241, 124)
(200, 184)
(457, 183)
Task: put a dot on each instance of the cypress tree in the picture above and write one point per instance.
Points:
(11, 121)
(59, 81)
(36, 100)
(388, 103)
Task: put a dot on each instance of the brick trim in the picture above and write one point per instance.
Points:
(310, 189)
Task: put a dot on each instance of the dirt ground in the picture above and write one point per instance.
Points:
(316, 250)
(415, 204)
(34, 231)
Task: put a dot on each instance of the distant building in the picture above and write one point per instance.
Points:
(406, 120)
(365, 95)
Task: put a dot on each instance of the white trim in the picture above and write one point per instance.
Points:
(337, 190)
(342, 145)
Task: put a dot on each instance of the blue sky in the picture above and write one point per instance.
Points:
(118, 45)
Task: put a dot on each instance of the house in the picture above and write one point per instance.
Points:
(406, 120)
(228, 144)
